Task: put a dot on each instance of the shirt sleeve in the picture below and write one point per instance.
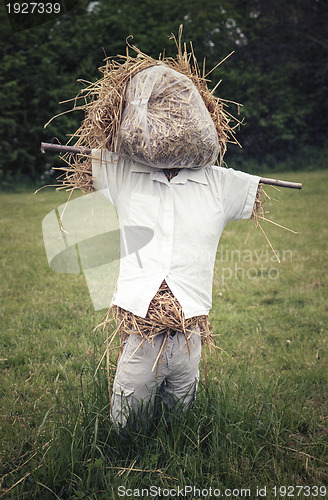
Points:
(107, 173)
(238, 191)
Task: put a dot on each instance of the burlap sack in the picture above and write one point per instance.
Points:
(165, 123)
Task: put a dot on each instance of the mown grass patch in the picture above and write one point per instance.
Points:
(262, 419)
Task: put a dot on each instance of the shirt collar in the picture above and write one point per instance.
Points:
(143, 168)
(189, 174)
(185, 174)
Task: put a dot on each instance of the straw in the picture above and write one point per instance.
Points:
(103, 103)
(164, 315)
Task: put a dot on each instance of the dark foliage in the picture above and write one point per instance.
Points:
(278, 72)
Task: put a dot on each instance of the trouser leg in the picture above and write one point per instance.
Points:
(180, 385)
(136, 383)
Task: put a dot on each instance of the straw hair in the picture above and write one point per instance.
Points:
(103, 103)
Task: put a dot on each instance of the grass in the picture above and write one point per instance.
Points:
(261, 421)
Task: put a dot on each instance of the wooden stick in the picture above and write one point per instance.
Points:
(58, 148)
(277, 182)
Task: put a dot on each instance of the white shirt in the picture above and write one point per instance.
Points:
(187, 216)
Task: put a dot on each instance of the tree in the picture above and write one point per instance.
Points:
(279, 74)
(278, 70)
(39, 68)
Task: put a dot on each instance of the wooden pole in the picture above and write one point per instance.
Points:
(277, 182)
(58, 148)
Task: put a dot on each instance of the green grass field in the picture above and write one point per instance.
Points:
(258, 427)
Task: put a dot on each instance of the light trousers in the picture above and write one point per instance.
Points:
(140, 379)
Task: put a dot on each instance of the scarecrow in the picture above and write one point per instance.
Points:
(152, 134)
